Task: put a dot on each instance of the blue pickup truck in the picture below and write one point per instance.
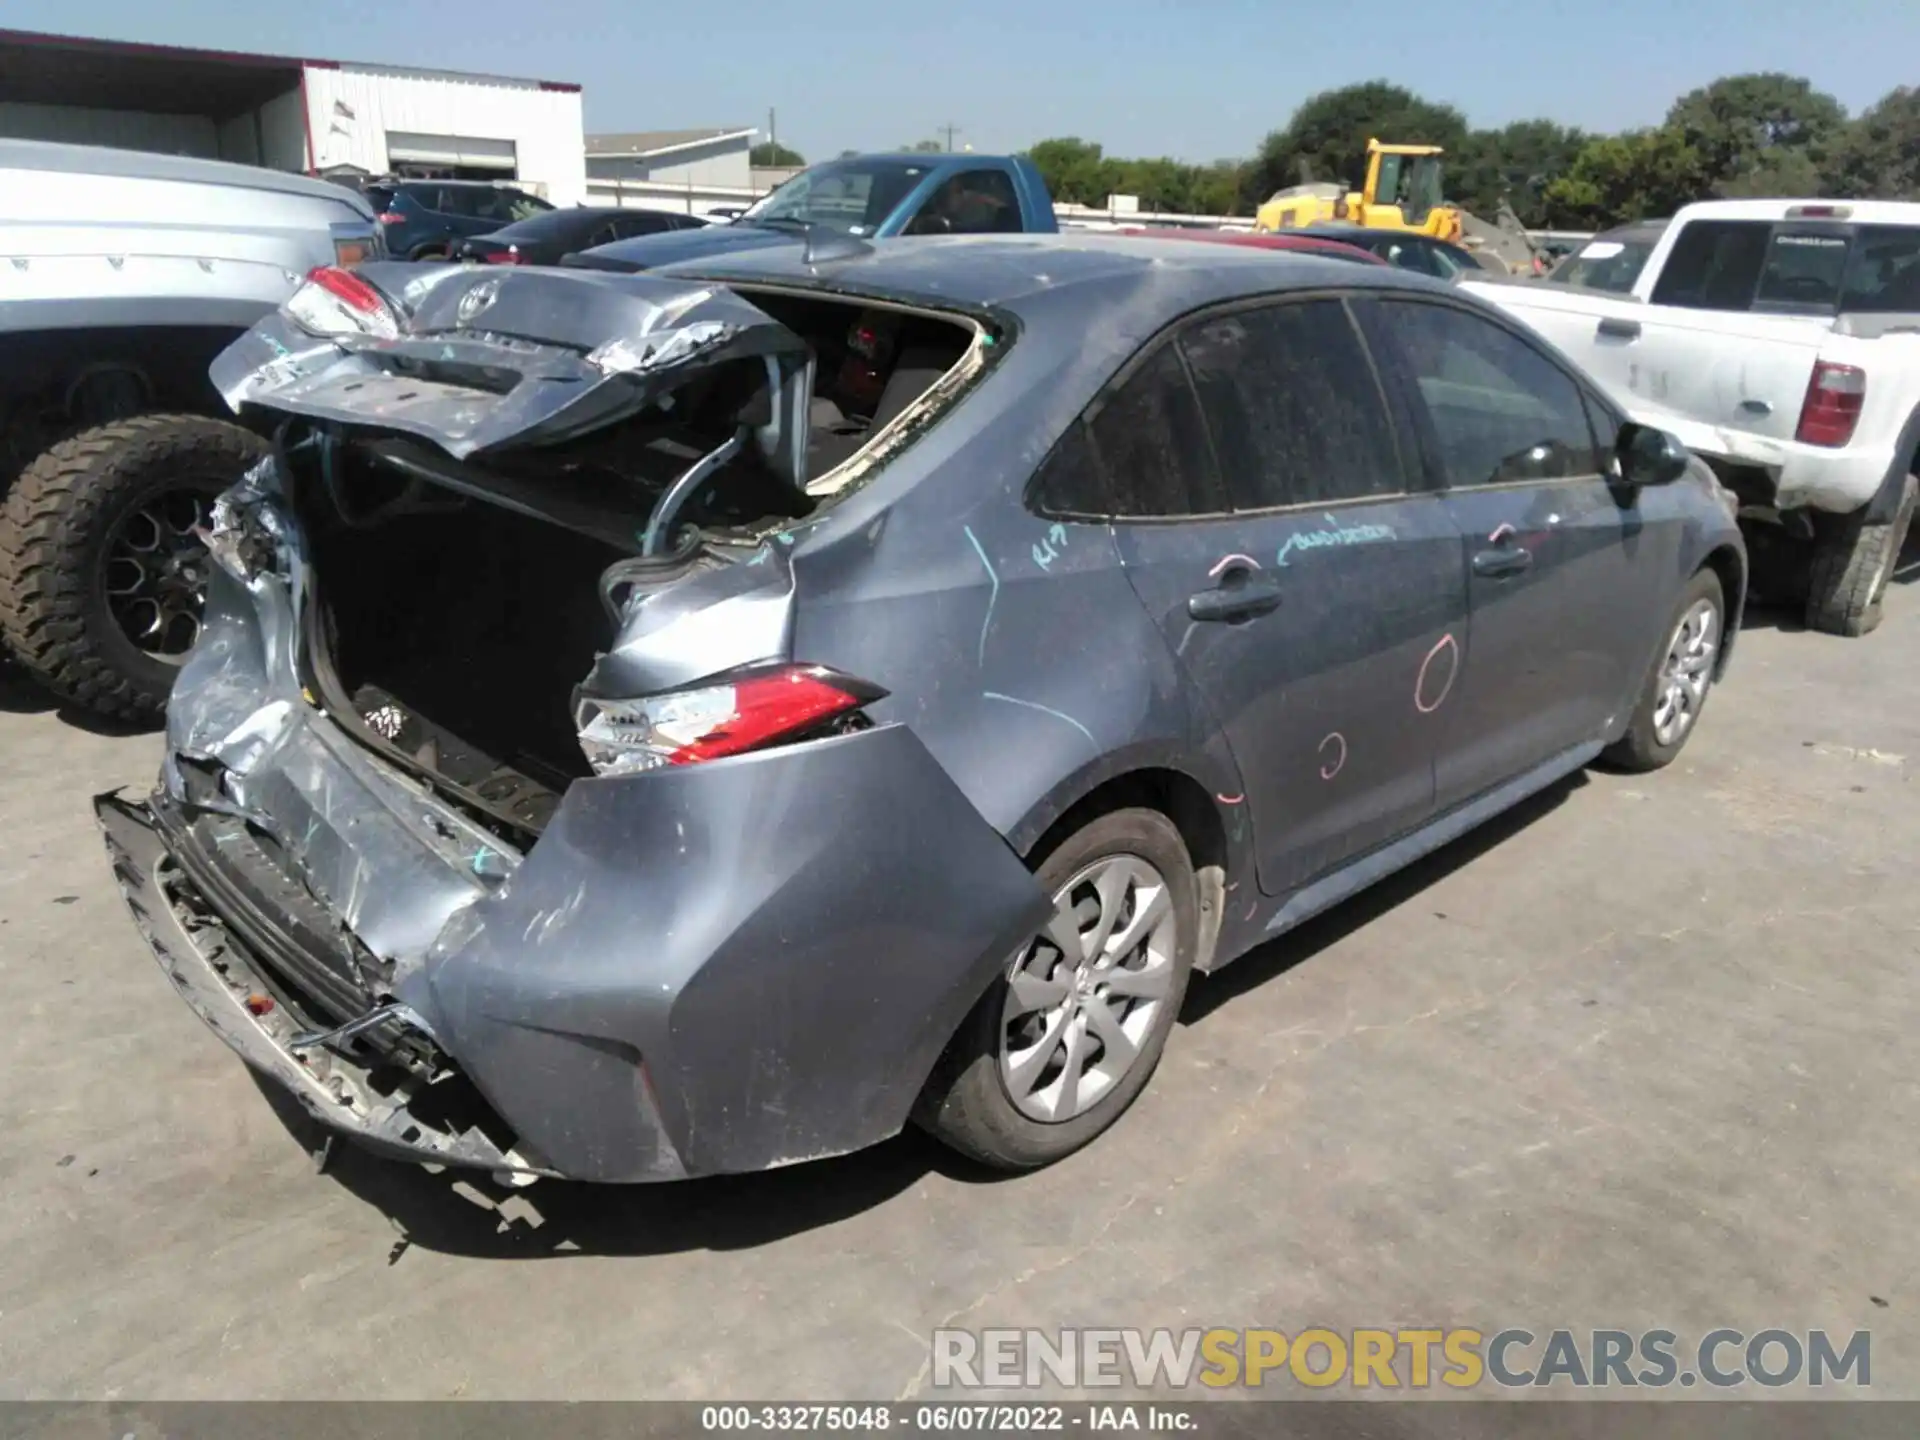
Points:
(868, 197)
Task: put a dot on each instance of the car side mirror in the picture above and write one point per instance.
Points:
(1647, 456)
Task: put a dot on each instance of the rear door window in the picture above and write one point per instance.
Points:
(1142, 454)
(1296, 413)
(1501, 412)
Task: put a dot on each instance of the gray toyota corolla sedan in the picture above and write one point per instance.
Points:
(660, 725)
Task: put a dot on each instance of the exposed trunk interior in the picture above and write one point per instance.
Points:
(458, 606)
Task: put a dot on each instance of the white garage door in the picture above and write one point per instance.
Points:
(467, 152)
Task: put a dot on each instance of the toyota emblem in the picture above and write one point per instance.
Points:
(478, 298)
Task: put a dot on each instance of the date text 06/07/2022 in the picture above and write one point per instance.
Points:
(962, 1417)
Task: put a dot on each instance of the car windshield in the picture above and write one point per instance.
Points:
(1603, 264)
(854, 196)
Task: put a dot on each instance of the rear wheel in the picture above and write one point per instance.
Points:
(102, 573)
(1852, 564)
(1675, 691)
(1057, 1050)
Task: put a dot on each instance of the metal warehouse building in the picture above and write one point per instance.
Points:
(693, 170)
(317, 116)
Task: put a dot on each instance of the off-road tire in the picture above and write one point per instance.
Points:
(1639, 750)
(1852, 564)
(966, 1105)
(55, 526)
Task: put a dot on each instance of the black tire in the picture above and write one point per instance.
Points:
(966, 1103)
(1852, 563)
(1641, 749)
(55, 528)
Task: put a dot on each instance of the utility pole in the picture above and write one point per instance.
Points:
(773, 134)
(949, 130)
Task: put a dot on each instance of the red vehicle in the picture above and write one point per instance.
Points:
(1313, 245)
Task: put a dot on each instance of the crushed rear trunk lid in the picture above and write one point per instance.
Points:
(480, 360)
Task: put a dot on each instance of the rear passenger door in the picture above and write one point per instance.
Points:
(1560, 566)
(1315, 596)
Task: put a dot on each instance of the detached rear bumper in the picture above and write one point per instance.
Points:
(214, 973)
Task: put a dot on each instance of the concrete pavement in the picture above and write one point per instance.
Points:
(1637, 1055)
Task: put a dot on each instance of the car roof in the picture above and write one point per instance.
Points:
(390, 181)
(1858, 212)
(1354, 234)
(1638, 231)
(1028, 273)
(145, 165)
(1262, 240)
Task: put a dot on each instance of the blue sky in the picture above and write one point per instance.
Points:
(1197, 79)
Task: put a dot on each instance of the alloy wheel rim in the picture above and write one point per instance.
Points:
(156, 572)
(1084, 995)
(1687, 672)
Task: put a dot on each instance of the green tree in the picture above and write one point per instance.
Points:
(924, 147)
(772, 153)
(1160, 184)
(1216, 188)
(1877, 157)
(1077, 171)
(1643, 174)
(1326, 140)
(1513, 163)
(1754, 130)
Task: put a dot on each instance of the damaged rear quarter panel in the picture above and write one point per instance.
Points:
(1015, 648)
(786, 940)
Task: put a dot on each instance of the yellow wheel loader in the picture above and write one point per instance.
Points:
(1403, 191)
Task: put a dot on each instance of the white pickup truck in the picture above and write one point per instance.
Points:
(1780, 341)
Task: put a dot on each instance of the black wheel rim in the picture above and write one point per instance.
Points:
(155, 572)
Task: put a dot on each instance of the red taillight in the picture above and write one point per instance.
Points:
(503, 257)
(337, 302)
(392, 217)
(710, 722)
(347, 286)
(765, 709)
(1835, 394)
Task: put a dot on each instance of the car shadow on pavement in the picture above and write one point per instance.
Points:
(1766, 615)
(1209, 992)
(20, 693)
(464, 1212)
